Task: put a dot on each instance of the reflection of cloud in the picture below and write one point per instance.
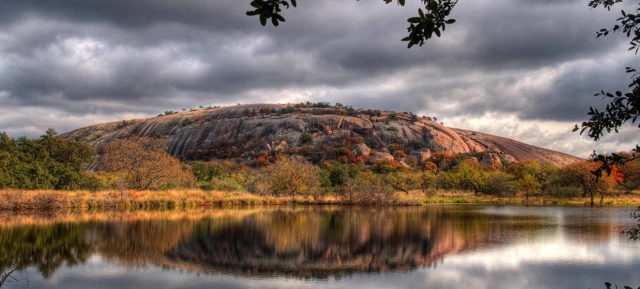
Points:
(559, 250)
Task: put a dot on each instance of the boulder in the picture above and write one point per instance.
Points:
(377, 157)
(362, 150)
(420, 157)
(491, 160)
(283, 146)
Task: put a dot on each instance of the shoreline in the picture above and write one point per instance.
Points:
(49, 200)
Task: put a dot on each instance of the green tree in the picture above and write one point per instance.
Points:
(49, 162)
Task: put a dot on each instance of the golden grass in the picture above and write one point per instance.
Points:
(463, 197)
(46, 200)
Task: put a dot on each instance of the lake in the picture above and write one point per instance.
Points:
(437, 246)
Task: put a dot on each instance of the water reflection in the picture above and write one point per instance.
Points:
(313, 243)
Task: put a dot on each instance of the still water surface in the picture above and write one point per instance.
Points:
(440, 246)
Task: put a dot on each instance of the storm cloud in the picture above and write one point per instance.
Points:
(521, 69)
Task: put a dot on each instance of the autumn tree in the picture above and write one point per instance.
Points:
(631, 173)
(288, 177)
(581, 173)
(143, 163)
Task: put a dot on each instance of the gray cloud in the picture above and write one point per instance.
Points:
(91, 61)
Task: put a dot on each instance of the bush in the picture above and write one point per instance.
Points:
(288, 177)
(334, 175)
(499, 183)
(230, 183)
(306, 138)
(368, 188)
(206, 172)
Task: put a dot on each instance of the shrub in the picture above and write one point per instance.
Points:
(306, 138)
(367, 188)
(231, 182)
(289, 177)
(499, 183)
(213, 176)
(206, 172)
(340, 173)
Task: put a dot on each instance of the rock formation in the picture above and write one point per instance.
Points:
(248, 131)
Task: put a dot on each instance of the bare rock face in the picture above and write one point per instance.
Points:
(246, 131)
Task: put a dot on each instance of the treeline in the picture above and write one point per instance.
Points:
(51, 162)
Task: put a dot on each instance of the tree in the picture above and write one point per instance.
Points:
(469, 175)
(631, 173)
(581, 173)
(530, 176)
(143, 163)
(49, 162)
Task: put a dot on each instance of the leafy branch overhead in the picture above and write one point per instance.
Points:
(270, 9)
(622, 107)
(432, 18)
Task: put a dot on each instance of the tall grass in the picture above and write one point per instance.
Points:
(48, 200)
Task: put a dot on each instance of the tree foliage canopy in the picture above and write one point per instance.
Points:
(49, 162)
(143, 163)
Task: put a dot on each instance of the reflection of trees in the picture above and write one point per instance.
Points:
(303, 242)
(5, 276)
(139, 242)
(46, 248)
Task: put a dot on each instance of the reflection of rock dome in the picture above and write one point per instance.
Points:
(297, 242)
(325, 243)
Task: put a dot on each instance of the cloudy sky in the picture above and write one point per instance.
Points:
(523, 69)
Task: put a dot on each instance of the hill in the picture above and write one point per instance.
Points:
(317, 131)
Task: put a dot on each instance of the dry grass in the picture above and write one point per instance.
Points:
(462, 197)
(44, 200)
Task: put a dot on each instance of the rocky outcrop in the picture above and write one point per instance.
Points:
(247, 131)
(379, 157)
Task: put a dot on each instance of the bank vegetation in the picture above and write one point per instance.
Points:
(53, 173)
